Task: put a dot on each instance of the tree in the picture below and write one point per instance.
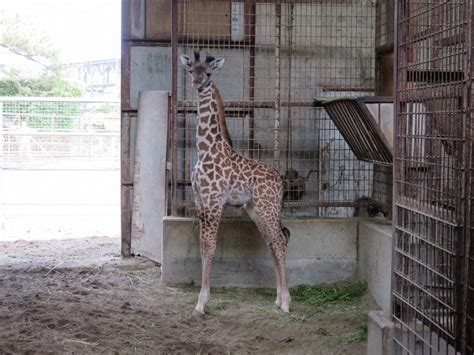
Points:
(46, 85)
(36, 72)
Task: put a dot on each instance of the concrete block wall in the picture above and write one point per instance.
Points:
(320, 250)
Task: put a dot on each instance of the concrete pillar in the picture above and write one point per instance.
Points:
(149, 179)
(375, 260)
(380, 333)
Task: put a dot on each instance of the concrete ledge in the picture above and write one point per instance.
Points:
(380, 332)
(375, 260)
(320, 250)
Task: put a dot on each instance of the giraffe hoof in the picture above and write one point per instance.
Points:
(197, 313)
(278, 303)
(285, 309)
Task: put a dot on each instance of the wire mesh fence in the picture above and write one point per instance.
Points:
(433, 179)
(54, 133)
(280, 57)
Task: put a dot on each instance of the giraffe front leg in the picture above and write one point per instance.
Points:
(209, 223)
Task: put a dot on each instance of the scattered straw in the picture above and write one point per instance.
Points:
(78, 341)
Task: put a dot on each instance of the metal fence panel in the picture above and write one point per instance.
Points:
(280, 56)
(433, 172)
(59, 133)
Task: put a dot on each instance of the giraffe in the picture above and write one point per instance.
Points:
(222, 177)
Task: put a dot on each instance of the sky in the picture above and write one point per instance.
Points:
(82, 30)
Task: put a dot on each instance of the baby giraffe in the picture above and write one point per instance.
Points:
(224, 177)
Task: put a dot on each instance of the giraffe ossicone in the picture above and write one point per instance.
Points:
(222, 177)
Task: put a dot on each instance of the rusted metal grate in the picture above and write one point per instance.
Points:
(432, 265)
(360, 130)
(280, 56)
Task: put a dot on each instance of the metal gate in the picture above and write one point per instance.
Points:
(433, 275)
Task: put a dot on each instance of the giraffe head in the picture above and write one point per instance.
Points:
(201, 71)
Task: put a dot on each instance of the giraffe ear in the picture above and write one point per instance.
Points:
(186, 61)
(216, 64)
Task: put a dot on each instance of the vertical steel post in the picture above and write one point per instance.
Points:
(466, 168)
(250, 8)
(276, 142)
(174, 97)
(126, 186)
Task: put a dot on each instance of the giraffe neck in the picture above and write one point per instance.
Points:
(211, 129)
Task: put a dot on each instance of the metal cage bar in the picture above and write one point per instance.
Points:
(432, 259)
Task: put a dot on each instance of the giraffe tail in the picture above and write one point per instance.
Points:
(286, 233)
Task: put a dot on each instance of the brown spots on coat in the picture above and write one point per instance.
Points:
(201, 131)
(207, 158)
(204, 110)
(207, 167)
(203, 146)
(210, 138)
(218, 170)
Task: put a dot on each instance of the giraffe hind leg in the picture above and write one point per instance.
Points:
(276, 239)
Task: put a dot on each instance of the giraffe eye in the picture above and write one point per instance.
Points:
(190, 72)
(208, 74)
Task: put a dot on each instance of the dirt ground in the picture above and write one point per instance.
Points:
(78, 296)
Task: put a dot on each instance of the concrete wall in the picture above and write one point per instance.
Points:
(149, 180)
(375, 260)
(320, 250)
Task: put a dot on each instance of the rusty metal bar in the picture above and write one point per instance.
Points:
(174, 97)
(250, 9)
(126, 186)
(311, 2)
(298, 204)
(289, 136)
(465, 201)
(126, 189)
(277, 112)
(191, 104)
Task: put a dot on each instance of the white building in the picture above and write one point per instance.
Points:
(98, 78)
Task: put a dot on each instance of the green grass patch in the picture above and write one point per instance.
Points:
(319, 296)
(266, 294)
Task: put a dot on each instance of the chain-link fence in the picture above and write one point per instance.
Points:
(59, 133)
